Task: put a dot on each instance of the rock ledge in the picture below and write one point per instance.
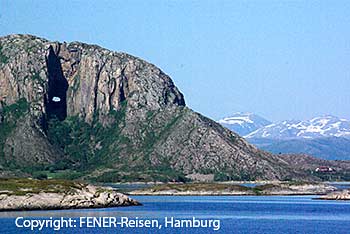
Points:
(56, 194)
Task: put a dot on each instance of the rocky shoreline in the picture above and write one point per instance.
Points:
(337, 195)
(215, 189)
(30, 194)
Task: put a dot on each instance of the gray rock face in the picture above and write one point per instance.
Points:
(87, 197)
(137, 117)
(99, 79)
(29, 144)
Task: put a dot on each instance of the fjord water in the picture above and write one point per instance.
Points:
(245, 214)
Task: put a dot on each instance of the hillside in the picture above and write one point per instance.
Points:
(340, 169)
(75, 110)
(330, 148)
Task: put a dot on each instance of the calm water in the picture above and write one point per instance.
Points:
(340, 185)
(273, 214)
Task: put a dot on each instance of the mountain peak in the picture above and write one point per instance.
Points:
(244, 122)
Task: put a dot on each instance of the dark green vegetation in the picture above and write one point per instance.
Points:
(3, 58)
(92, 151)
(23, 186)
(243, 176)
(100, 153)
(10, 115)
(90, 146)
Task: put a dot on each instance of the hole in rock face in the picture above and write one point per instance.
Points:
(56, 103)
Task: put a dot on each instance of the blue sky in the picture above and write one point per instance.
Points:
(280, 59)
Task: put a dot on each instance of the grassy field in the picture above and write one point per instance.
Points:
(22, 186)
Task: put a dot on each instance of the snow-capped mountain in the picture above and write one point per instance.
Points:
(244, 123)
(326, 137)
(325, 126)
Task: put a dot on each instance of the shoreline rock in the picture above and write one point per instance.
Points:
(338, 195)
(218, 189)
(72, 196)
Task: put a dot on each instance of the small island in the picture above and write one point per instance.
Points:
(337, 195)
(34, 194)
(224, 189)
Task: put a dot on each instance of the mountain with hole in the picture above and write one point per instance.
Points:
(79, 111)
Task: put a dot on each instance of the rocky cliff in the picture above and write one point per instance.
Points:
(107, 116)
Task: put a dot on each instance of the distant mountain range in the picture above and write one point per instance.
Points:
(326, 137)
(325, 126)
